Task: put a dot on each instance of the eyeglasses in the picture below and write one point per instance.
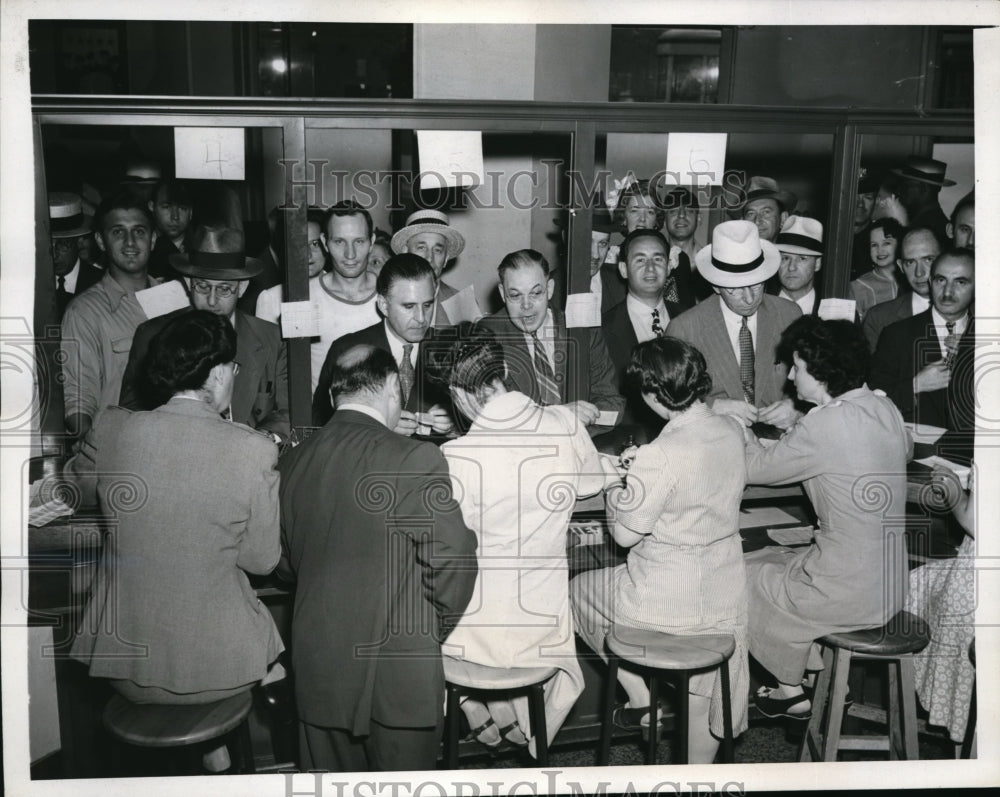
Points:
(222, 289)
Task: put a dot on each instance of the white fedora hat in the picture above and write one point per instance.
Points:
(429, 221)
(66, 216)
(737, 257)
(801, 235)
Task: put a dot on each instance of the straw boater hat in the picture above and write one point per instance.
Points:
(924, 170)
(801, 236)
(737, 257)
(429, 221)
(767, 188)
(217, 253)
(66, 216)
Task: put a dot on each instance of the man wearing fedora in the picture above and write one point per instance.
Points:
(216, 272)
(864, 205)
(429, 234)
(923, 179)
(68, 224)
(98, 325)
(801, 245)
(738, 329)
(767, 206)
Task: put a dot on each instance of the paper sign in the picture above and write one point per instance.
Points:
(837, 309)
(607, 418)
(462, 306)
(450, 158)
(162, 299)
(583, 310)
(299, 320)
(209, 153)
(695, 159)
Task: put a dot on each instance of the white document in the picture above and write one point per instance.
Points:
(162, 299)
(210, 153)
(450, 158)
(583, 310)
(299, 320)
(961, 471)
(607, 418)
(924, 432)
(462, 306)
(834, 309)
(695, 159)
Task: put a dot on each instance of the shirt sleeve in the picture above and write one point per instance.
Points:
(648, 486)
(269, 305)
(82, 364)
(797, 456)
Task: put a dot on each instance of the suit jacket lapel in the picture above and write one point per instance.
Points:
(559, 346)
(764, 350)
(719, 348)
(247, 381)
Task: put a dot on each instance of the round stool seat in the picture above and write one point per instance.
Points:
(904, 633)
(479, 676)
(155, 725)
(670, 651)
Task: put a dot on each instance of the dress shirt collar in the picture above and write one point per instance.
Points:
(364, 409)
(806, 302)
(641, 316)
(733, 323)
(396, 346)
(69, 280)
(918, 303)
(546, 334)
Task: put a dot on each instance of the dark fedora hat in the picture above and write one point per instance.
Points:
(925, 170)
(217, 253)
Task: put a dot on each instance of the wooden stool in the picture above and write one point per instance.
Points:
(464, 677)
(156, 725)
(894, 643)
(657, 652)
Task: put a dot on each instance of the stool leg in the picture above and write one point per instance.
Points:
(539, 730)
(683, 717)
(246, 749)
(969, 741)
(654, 726)
(727, 715)
(451, 724)
(811, 741)
(841, 671)
(892, 716)
(908, 715)
(604, 751)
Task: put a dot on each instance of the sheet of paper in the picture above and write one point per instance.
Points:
(800, 535)
(961, 471)
(210, 153)
(462, 306)
(833, 309)
(761, 517)
(162, 299)
(450, 158)
(607, 418)
(583, 310)
(924, 433)
(695, 159)
(299, 320)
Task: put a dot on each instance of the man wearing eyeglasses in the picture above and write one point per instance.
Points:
(217, 273)
(918, 251)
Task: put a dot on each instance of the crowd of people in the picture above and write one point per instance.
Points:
(423, 522)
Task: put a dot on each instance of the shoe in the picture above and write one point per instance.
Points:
(513, 734)
(774, 707)
(809, 690)
(485, 733)
(217, 760)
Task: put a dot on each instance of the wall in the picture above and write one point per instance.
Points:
(572, 63)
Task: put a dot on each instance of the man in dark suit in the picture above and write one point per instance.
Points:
(643, 315)
(385, 567)
(67, 226)
(217, 271)
(918, 249)
(914, 357)
(738, 329)
(681, 215)
(538, 349)
(171, 207)
(923, 179)
(801, 245)
(406, 294)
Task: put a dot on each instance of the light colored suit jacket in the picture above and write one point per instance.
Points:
(704, 328)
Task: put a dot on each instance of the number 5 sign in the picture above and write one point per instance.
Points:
(695, 159)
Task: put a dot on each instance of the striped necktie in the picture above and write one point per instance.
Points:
(406, 372)
(950, 343)
(548, 392)
(746, 361)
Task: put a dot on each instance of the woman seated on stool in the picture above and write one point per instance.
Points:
(679, 515)
(850, 453)
(193, 503)
(516, 475)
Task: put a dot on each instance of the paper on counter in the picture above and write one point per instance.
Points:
(299, 320)
(800, 535)
(162, 299)
(462, 306)
(764, 516)
(924, 433)
(583, 310)
(837, 309)
(960, 471)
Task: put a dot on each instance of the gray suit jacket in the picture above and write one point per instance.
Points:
(883, 314)
(704, 328)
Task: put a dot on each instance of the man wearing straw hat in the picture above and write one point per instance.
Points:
(216, 271)
(738, 329)
(67, 225)
(923, 179)
(801, 245)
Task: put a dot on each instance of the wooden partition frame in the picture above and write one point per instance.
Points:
(584, 121)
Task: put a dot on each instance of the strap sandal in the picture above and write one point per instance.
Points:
(631, 719)
(775, 708)
(513, 734)
(482, 733)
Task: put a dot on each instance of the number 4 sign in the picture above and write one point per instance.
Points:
(695, 159)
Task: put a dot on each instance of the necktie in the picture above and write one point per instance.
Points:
(657, 329)
(950, 343)
(406, 372)
(61, 284)
(548, 393)
(746, 361)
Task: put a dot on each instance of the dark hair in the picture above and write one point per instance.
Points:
(890, 229)
(470, 357)
(673, 371)
(384, 238)
(176, 192)
(954, 253)
(404, 266)
(348, 207)
(316, 216)
(641, 188)
(126, 199)
(183, 353)
(967, 201)
(917, 230)
(835, 352)
(636, 235)
(522, 258)
(360, 369)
